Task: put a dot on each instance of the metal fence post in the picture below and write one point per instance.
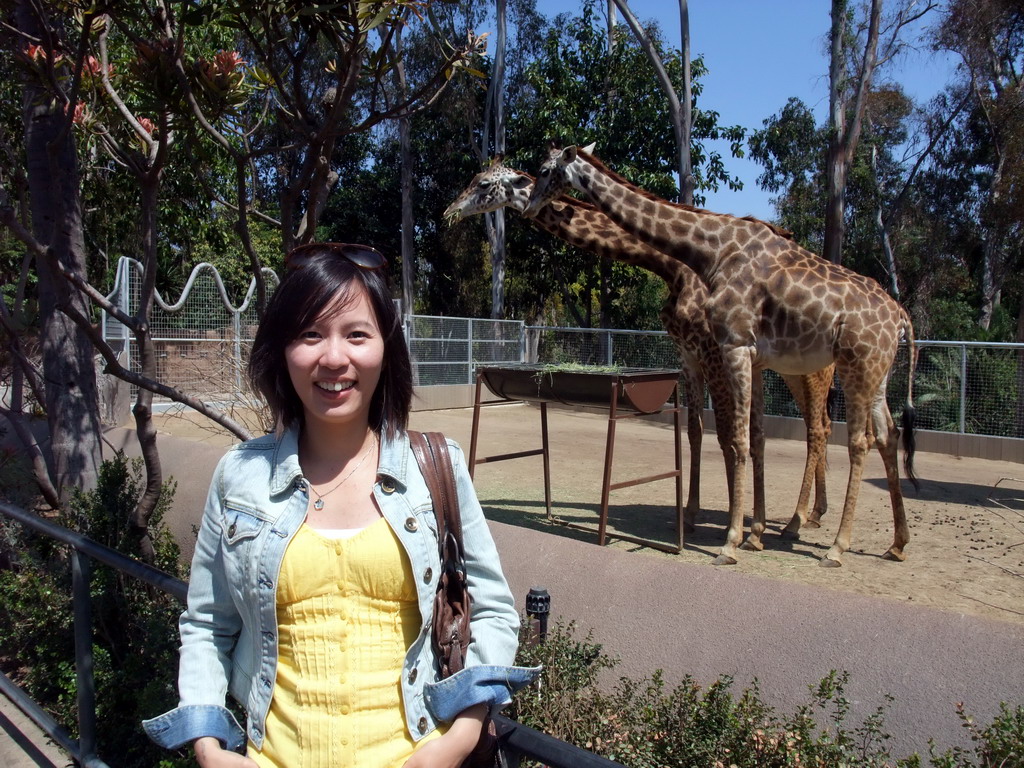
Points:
(83, 655)
(963, 389)
(469, 354)
(608, 346)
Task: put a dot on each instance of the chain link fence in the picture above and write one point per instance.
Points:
(202, 341)
(447, 350)
(972, 388)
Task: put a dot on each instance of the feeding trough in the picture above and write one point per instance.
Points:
(644, 390)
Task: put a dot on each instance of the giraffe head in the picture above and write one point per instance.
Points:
(555, 176)
(493, 187)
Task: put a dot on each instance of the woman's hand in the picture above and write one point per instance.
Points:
(449, 750)
(210, 754)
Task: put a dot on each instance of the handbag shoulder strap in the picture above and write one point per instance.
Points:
(431, 452)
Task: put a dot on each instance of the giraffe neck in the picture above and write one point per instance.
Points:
(677, 231)
(584, 226)
(519, 197)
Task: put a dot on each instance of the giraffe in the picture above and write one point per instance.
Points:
(771, 304)
(683, 316)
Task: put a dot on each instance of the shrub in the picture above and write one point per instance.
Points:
(644, 724)
(135, 636)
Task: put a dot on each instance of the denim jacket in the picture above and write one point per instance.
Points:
(257, 501)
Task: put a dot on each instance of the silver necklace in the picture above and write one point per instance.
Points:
(319, 503)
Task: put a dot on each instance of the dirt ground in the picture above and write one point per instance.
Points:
(966, 552)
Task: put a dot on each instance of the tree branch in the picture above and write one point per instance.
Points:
(28, 368)
(40, 471)
(121, 107)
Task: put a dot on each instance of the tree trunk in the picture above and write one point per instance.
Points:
(72, 403)
(835, 169)
(496, 220)
(143, 408)
(687, 182)
(408, 220)
(883, 230)
(611, 25)
(846, 116)
(680, 117)
(991, 280)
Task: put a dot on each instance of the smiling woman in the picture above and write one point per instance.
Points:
(317, 562)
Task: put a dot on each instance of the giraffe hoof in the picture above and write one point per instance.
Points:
(895, 555)
(827, 562)
(789, 535)
(752, 546)
(724, 560)
(811, 523)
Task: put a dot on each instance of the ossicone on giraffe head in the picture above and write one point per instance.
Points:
(553, 177)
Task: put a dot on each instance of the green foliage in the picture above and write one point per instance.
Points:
(645, 724)
(564, 84)
(577, 90)
(991, 389)
(135, 637)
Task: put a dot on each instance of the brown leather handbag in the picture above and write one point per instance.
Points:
(451, 633)
(452, 601)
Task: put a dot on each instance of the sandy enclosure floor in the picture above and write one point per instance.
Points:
(966, 552)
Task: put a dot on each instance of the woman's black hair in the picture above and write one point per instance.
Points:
(303, 295)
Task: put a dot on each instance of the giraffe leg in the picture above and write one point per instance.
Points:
(738, 364)
(811, 395)
(695, 434)
(820, 394)
(857, 423)
(723, 430)
(799, 386)
(757, 525)
(820, 492)
(887, 438)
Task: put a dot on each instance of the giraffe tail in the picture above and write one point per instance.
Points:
(909, 414)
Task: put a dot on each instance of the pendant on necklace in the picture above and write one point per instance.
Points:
(318, 504)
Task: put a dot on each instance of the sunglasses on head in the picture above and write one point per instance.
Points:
(363, 256)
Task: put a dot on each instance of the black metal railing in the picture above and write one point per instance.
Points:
(515, 740)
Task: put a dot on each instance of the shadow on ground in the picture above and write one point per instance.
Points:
(964, 494)
(653, 522)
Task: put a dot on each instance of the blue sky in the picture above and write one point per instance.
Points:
(759, 53)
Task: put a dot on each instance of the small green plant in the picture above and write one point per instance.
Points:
(644, 724)
(135, 636)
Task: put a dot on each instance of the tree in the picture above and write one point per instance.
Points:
(854, 57)
(140, 85)
(579, 90)
(791, 147)
(494, 116)
(988, 36)
(67, 379)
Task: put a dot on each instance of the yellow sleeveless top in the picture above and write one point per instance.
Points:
(346, 615)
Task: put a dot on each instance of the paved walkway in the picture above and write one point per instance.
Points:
(22, 744)
(658, 612)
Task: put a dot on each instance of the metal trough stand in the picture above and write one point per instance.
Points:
(627, 393)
